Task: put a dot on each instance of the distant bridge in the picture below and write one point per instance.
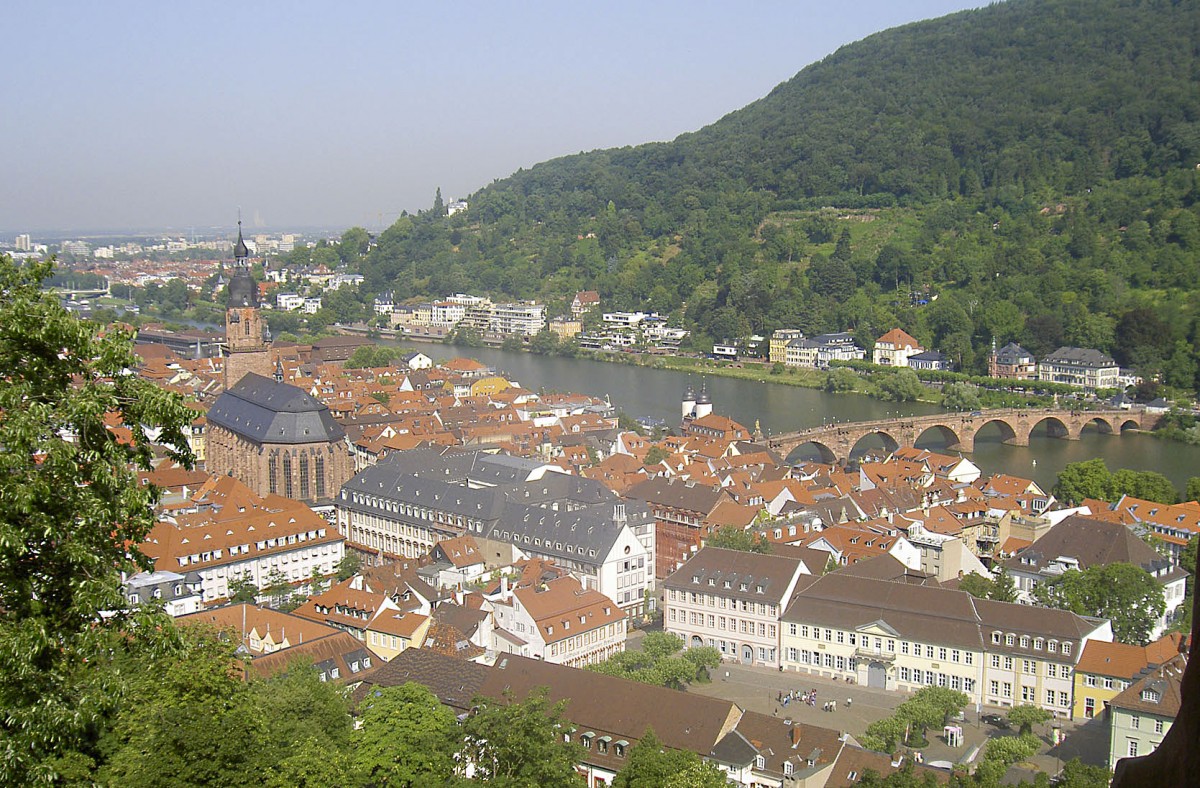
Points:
(836, 442)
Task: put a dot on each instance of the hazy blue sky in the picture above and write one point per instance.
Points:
(157, 114)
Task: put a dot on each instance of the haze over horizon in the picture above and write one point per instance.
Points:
(138, 114)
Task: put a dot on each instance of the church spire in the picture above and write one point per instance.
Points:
(240, 250)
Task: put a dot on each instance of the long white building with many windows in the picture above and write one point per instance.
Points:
(895, 635)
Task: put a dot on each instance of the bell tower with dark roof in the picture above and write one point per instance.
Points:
(246, 347)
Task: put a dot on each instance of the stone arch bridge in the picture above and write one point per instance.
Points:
(836, 442)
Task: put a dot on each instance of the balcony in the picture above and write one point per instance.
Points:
(872, 655)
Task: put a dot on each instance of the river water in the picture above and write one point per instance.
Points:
(657, 393)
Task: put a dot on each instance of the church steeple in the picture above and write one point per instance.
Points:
(243, 291)
(246, 345)
(240, 251)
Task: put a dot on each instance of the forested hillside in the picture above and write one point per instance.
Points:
(1032, 164)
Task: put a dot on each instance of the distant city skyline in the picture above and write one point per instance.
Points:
(144, 115)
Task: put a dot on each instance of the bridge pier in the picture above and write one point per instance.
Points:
(965, 443)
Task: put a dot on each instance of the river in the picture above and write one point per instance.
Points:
(642, 391)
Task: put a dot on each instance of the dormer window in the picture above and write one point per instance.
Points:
(788, 768)
(760, 762)
(1150, 696)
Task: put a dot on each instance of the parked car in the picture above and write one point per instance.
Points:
(996, 720)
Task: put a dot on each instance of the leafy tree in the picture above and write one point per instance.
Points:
(312, 763)
(1092, 479)
(71, 514)
(930, 707)
(277, 589)
(655, 455)
(1080, 480)
(353, 245)
(1187, 560)
(1076, 774)
(651, 764)
(1124, 593)
(349, 566)
(697, 774)
(1003, 587)
(731, 537)
(370, 356)
(900, 386)
(242, 590)
(185, 703)
(960, 396)
(841, 379)
(297, 706)
(1025, 716)
(1011, 749)
(883, 735)
(1147, 485)
(704, 660)
(544, 343)
(1192, 492)
(660, 662)
(521, 744)
(976, 585)
(407, 737)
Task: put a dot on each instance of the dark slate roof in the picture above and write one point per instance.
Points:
(564, 517)
(930, 614)
(753, 577)
(266, 411)
(454, 681)
(1080, 357)
(1012, 353)
(1091, 542)
(687, 496)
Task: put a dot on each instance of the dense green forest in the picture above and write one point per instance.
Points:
(1032, 164)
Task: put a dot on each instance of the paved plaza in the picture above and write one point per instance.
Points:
(758, 689)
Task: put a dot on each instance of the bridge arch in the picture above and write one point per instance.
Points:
(944, 431)
(1055, 428)
(890, 444)
(1127, 423)
(1102, 424)
(1005, 428)
(813, 448)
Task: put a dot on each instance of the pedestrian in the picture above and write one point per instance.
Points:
(726, 676)
(833, 705)
(848, 702)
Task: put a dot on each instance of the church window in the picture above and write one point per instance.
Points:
(304, 476)
(273, 474)
(287, 475)
(319, 468)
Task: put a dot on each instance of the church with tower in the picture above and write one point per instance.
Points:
(270, 435)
